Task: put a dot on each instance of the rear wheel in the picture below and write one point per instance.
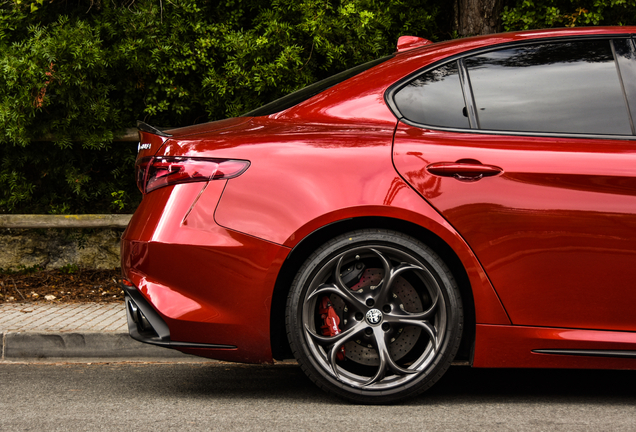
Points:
(374, 316)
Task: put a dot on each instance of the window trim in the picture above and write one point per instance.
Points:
(469, 98)
(620, 80)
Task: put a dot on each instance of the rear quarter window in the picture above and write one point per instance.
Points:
(434, 98)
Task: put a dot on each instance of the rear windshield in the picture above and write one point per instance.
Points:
(311, 90)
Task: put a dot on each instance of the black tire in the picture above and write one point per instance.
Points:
(399, 333)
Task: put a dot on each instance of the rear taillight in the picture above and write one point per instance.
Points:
(140, 172)
(157, 172)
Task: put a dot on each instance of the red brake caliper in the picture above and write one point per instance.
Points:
(331, 322)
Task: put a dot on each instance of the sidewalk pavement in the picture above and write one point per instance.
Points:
(72, 330)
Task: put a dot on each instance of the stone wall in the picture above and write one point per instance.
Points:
(56, 248)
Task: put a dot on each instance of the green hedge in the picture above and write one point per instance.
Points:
(528, 14)
(81, 71)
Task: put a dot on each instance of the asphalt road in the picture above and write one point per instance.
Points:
(216, 396)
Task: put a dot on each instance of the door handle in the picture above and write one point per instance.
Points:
(464, 169)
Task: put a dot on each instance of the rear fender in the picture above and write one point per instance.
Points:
(410, 207)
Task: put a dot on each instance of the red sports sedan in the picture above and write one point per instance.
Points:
(471, 200)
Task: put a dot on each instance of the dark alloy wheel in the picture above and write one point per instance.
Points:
(374, 316)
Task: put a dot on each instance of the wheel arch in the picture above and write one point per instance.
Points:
(304, 248)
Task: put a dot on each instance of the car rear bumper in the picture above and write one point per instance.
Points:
(201, 289)
(146, 325)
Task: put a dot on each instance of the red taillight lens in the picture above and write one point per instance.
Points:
(140, 172)
(169, 170)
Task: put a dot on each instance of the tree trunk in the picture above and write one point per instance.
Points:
(478, 17)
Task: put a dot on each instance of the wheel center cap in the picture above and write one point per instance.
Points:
(374, 316)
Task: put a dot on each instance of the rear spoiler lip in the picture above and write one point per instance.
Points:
(145, 127)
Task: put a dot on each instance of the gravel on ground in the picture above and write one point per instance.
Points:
(74, 285)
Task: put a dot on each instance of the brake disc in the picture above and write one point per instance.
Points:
(402, 341)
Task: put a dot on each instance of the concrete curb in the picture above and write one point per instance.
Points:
(31, 221)
(40, 345)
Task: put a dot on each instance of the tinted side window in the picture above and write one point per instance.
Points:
(434, 98)
(569, 87)
(626, 56)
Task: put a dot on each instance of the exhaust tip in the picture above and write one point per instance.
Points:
(138, 317)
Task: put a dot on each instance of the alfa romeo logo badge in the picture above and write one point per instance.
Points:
(374, 316)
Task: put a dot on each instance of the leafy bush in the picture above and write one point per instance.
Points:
(529, 14)
(80, 72)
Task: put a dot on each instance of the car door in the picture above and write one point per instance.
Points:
(528, 151)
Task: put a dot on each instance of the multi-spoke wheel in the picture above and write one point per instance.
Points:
(374, 316)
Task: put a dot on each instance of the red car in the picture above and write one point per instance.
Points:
(471, 200)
